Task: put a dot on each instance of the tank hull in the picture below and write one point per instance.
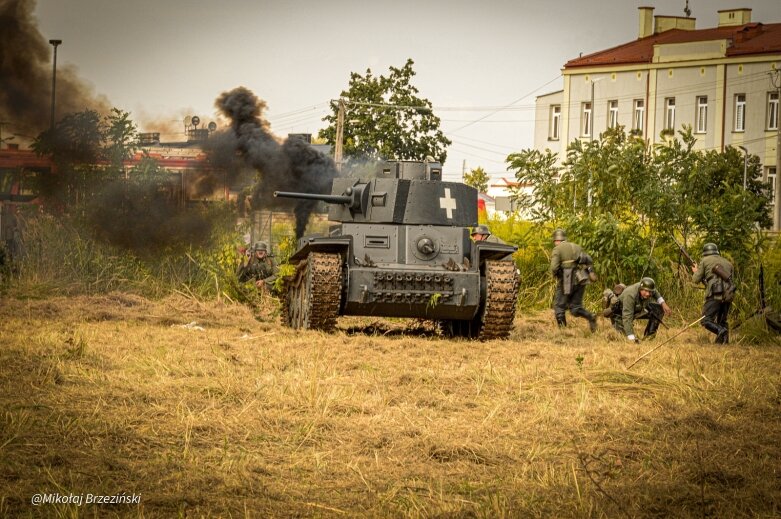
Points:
(404, 292)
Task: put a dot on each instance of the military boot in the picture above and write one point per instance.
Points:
(722, 337)
(592, 324)
(712, 327)
(561, 321)
(650, 330)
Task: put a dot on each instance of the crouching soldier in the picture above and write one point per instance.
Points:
(611, 306)
(640, 301)
(259, 268)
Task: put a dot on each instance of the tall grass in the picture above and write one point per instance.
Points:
(60, 256)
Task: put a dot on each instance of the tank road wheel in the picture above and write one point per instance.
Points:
(314, 293)
(495, 318)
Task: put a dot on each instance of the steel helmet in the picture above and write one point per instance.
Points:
(559, 235)
(481, 229)
(648, 284)
(709, 249)
(260, 245)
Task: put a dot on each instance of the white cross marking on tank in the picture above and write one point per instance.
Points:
(447, 203)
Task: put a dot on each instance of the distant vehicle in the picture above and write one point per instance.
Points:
(402, 249)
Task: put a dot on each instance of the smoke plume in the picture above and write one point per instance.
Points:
(292, 165)
(26, 74)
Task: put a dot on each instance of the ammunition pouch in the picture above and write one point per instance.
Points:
(582, 276)
(723, 285)
(716, 287)
(723, 289)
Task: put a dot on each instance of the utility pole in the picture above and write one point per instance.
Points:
(775, 78)
(745, 164)
(54, 43)
(338, 145)
(591, 139)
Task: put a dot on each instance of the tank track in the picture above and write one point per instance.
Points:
(501, 299)
(312, 296)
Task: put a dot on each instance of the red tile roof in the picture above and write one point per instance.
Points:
(748, 39)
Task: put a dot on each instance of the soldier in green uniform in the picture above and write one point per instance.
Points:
(571, 271)
(640, 301)
(482, 233)
(715, 272)
(259, 268)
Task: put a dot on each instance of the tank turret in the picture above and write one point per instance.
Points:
(403, 249)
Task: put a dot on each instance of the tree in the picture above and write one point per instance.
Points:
(623, 198)
(385, 118)
(88, 151)
(478, 179)
(121, 137)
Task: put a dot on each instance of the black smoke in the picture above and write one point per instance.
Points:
(142, 217)
(26, 74)
(145, 213)
(292, 165)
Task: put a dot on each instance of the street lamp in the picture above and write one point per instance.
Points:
(54, 44)
(745, 165)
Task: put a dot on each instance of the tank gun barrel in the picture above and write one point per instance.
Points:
(356, 197)
(331, 199)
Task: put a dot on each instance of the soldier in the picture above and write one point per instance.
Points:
(715, 273)
(570, 265)
(259, 268)
(482, 233)
(640, 301)
(611, 306)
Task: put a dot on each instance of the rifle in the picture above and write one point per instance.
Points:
(683, 251)
(763, 308)
(665, 342)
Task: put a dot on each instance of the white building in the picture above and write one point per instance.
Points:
(722, 81)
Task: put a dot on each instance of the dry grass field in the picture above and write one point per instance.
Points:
(235, 416)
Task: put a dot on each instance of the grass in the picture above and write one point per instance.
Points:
(243, 418)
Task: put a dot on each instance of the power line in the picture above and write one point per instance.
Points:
(510, 104)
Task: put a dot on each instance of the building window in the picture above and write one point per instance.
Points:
(772, 111)
(612, 114)
(555, 121)
(638, 122)
(586, 126)
(669, 113)
(702, 114)
(740, 112)
(771, 179)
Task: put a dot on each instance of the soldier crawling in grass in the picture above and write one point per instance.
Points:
(573, 271)
(638, 301)
(715, 272)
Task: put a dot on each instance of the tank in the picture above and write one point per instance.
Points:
(402, 248)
